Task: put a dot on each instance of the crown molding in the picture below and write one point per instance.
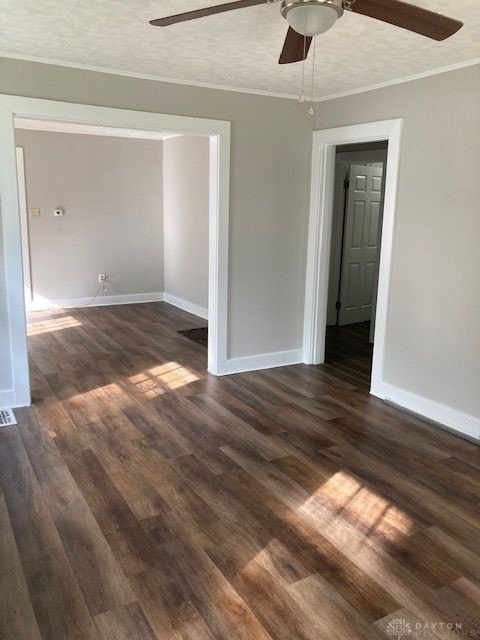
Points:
(270, 94)
(146, 76)
(390, 83)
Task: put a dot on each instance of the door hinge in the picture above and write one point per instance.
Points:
(346, 183)
(338, 305)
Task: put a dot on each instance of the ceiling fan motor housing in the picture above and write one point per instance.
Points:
(312, 17)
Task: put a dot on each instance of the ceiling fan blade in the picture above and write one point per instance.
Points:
(408, 16)
(202, 13)
(295, 47)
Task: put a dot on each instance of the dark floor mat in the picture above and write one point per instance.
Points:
(200, 336)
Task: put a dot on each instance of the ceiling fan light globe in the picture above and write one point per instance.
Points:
(311, 17)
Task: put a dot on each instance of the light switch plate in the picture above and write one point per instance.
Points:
(34, 213)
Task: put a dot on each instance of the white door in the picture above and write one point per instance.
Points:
(361, 244)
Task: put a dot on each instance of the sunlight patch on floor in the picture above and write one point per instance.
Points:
(97, 398)
(348, 499)
(155, 381)
(56, 324)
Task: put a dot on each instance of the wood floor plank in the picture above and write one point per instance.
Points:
(333, 615)
(268, 599)
(211, 592)
(142, 498)
(101, 580)
(310, 549)
(430, 505)
(127, 623)
(130, 545)
(60, 610)
(17, 618)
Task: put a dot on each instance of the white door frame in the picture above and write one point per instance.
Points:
(22, 203)
(219, 179)
(319, 236)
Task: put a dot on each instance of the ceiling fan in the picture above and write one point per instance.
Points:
(308, 18)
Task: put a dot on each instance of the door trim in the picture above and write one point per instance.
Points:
(217, 131)
(319, 237)
(22, 203)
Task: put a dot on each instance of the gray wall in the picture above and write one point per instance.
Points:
(433, 332)
(270, 167)
(433, 328)
(186, 187)
(111, 190)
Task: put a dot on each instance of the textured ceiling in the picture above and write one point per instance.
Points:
(238, 49)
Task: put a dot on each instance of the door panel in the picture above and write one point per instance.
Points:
(377, 184)
(372, 234)
(370, 272)
(360, 183)
(358, 223)
(353, 285)
(361, 244)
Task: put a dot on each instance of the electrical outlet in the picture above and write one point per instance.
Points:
(34, 213)
(102, 277)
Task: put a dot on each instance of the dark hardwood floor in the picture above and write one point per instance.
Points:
(143, 499)
(348, 353)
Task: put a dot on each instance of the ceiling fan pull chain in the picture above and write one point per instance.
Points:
(301, 97)
(302, 92)
(311, 111)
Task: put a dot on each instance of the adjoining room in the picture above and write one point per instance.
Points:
(111, 217)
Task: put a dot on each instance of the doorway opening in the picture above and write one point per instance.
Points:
(359, 189)
(125, 215)
(322, 199)
(218, 135)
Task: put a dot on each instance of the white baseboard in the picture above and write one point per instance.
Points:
(440, 414)
(102, 301)
(39, 303)
(263, 361)
(7, 399)
(185, 305)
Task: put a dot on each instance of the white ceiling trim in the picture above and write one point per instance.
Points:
(390, 83)
(146, 76)
(272, 94)
(34, 124)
